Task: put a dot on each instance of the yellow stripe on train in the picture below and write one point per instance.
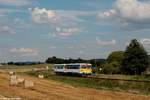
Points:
(85, 71)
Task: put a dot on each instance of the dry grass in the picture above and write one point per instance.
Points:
(52, 90)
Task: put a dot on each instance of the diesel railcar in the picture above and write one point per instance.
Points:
(74, 68)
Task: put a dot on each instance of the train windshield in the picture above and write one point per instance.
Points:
(89, 66)
(86, 66)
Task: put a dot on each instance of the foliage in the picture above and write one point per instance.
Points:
(24, 63)
(97, 62)
(111, 68)
(135, 59)
(55, 60)
(116, 56)
(113, 64)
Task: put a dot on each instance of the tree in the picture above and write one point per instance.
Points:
(135, 59)
(113, 64)
(10, 63)
(111, 68)
(54, 60)
(116, 56)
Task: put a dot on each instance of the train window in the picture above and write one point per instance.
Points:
(58, 67)
(72, 66)
(89, 67)
(83, 66)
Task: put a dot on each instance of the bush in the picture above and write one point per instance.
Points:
(116, 56)
(111, 68)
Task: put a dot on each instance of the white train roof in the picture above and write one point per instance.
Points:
(75, 64)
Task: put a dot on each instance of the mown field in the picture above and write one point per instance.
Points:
(105, 84)
(54, 87)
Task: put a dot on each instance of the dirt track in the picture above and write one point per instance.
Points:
(51, 90)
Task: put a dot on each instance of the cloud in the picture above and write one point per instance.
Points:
(130, 13)
(107, 14)
(62, 23)
(24, 51)
(133, 10)
(6, 30)
(64, 31)
(14, 2)
(145, 41)
(105, 43)
(43, 15)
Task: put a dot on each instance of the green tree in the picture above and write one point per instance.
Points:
(113, 64)
(111, 68)
(135, 59)
(116, 56)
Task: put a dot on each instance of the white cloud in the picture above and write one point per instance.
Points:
(43, 15)
(14, 2)
(130, 13)
(63, 23)
(105, 43)
(107, 14)
(64, 31)
(145, 41)
(24, 51)
(6, 30)
(50, 16)
(133, 10)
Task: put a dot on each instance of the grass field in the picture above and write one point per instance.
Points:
(127, 86)
(55, 87)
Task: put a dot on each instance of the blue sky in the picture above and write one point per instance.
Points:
(37, 29)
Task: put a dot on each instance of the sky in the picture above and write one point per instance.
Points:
(33, 30)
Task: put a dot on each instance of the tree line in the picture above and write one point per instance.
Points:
(56, 60)
(133, 61)
(23, 63)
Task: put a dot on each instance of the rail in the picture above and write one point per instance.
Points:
(118, 79)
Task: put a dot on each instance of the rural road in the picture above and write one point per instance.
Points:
(52, 90)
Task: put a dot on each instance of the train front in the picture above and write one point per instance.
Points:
(86, 69)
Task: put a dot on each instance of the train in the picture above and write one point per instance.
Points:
(73, 68)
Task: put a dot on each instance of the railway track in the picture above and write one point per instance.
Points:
(118, 79)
